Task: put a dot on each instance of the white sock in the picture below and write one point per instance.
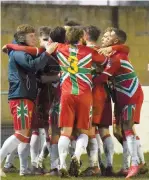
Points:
(140, 151)
(23, 153)
(63, 147)
(99, 148)
(81, 144)
(126, 156)
(72, 147)
(93, 156)
(9, 146)
(10, 159)
(99, 142)
(54, 158)
(42, 153)
(34, 149)
(132, 146)
(48, 146)
(108, 150)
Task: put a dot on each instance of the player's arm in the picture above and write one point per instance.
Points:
(98, 58)
(29, 63)
(34, 51)
(108, 51)
(110, 69)
(121, 48)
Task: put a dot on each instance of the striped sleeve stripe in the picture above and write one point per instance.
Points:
(62, 58)
(37, 50)
(107, 73)
(104, 61)
(84, 60)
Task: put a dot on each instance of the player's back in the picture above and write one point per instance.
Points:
(75, 62)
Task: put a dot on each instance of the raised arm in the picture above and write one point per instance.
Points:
(108, 51)
(34, 51)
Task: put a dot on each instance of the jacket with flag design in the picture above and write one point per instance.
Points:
(127, 85)
(75, 63)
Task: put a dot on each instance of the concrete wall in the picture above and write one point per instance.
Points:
(135, 21)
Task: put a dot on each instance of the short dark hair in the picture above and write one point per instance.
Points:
(71, 23)
(73, 35)
(58, 34)
(121, 35)
(93, 32)
(44, 30)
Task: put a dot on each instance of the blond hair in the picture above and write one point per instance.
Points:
(74, 34)
(25, 28)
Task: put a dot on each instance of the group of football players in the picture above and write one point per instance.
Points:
(66, 86)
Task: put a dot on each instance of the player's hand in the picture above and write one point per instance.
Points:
(4, 49)
(50, 48)
(106, 51)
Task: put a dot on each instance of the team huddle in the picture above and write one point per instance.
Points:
(66, 86)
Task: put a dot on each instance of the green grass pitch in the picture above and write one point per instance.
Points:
(117, 166)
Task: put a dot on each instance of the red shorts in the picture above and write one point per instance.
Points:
(102, 109)
(132, 112)
(76, 110)
(21, 110)
(129, 112)
(41, 110)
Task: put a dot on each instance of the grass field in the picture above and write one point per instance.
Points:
(117, 166)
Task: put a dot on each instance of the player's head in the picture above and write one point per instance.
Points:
(70, 23)
(25, 34)
(74, 35)
(121, 36)
(91, 33)
(113, 36)
(58, 34)
(44, 34)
